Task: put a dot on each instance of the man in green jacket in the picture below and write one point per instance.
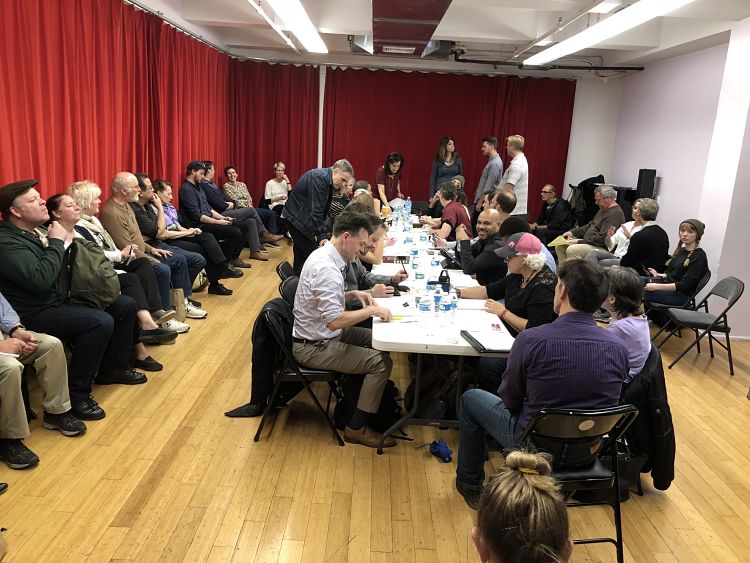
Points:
(102, 341)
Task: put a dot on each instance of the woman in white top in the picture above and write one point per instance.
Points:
(277, 188)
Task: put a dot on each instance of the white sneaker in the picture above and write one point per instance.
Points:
(173, 325)
(193, 312)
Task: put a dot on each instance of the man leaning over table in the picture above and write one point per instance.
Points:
(571, 363)
(324, 333)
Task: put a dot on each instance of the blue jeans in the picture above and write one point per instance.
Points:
(665, 297)
(178, 267)
(268, 218)
(163, 275)
(482, 413)
(195, 261)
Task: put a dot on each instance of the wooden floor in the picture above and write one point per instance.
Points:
(166, 476)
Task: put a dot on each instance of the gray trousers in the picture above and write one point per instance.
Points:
(350, 353)
(247, 220)
(51, 370)
(603, 258)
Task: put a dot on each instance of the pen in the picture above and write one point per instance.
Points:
(403, 266)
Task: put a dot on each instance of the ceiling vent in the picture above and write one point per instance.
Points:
(395, 50)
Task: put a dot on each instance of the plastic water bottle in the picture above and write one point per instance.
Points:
(407, 205)
(437, 297)
(425, 308)
(453, 303)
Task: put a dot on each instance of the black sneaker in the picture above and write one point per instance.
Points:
(471, 496)
(66, 423)
(87, 409)
(194, 303)
(15, 453)
(219, 289)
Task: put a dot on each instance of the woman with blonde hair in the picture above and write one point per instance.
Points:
(522, 515)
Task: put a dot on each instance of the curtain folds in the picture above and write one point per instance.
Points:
(92, 87)
(368, 114)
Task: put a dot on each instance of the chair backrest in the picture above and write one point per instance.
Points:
(288, 289)
(282, 335)
(419, 207)
(729, 288)
(285, 270)
(573, 435)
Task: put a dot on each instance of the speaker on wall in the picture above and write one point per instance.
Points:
(646, 183)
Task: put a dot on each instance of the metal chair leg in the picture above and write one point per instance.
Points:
(686, 350)
(729, 355)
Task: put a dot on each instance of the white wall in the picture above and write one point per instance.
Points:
(592, 132)
(666, 122)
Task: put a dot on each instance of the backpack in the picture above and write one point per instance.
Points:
(90, 279)
(388, 413)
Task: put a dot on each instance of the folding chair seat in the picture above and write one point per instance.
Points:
(284, 270)
(703, 322)
(571, 436)
(289, 370)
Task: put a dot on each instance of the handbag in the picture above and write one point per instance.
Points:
(178, 302)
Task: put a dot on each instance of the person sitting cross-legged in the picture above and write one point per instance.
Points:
(324, 332)
(20, 348)
(569, 363)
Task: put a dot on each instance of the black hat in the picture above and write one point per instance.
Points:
(10, 192)
(195, 165)
(513, 225)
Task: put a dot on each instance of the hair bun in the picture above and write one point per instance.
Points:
(529, 463)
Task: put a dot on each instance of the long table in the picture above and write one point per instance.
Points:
(421, 333)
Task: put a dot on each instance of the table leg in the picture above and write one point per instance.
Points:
(458, 385)
(402, 421)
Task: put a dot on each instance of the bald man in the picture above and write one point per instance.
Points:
(479, 259)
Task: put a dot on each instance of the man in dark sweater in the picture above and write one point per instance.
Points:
(590, 236)
(479, 259)
(569, 363)
(554, 218)
(101, 341)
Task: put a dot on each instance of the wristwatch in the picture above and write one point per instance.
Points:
(15, 328)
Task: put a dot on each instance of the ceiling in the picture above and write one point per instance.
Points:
(479, 30)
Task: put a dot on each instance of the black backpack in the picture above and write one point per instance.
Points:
(89, 277)
(388, 413)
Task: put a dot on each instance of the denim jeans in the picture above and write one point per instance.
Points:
(482, 413)
(183, 265)
(665, 297)
(268, 218)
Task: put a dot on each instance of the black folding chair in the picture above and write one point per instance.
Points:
(571, 436)
(288, 370)
(285, 270)
(288, 289)
(689, 304)
(729, 289)
(419, 207)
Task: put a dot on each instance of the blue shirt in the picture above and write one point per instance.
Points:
(214, 197)
(569, 363)
(8, 317)
(194, 203)
(491, 176)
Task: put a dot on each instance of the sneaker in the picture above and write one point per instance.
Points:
(15, 453)
(161, 316)
(194, 303)
(87, 409)
(602, 316)
(193, 312)
(176, 326)
(66, 423)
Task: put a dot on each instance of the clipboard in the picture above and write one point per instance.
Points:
(479, 347)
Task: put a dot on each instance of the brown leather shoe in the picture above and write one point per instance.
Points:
(240, 263)
(367, 437)
(268, 237)
(257, 256)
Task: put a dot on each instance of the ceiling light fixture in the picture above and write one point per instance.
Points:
(622, 21)
(604, 8)
(273, 25)
(296, 19)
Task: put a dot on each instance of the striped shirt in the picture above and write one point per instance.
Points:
(320, 294)
(569, 363)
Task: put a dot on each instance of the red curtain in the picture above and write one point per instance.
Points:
(368, 114)
(274, 111)
(96, 87)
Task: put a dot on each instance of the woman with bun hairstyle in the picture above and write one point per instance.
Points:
(522, 516)
(685, 268)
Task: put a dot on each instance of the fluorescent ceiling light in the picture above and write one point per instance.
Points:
(622, 21)
(544, 42)
(297, 20)
(273, 25)
(604, 8)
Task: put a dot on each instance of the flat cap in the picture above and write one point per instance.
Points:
(10, 192)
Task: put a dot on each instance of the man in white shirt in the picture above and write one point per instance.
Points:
(324, 333)
(516, 177)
